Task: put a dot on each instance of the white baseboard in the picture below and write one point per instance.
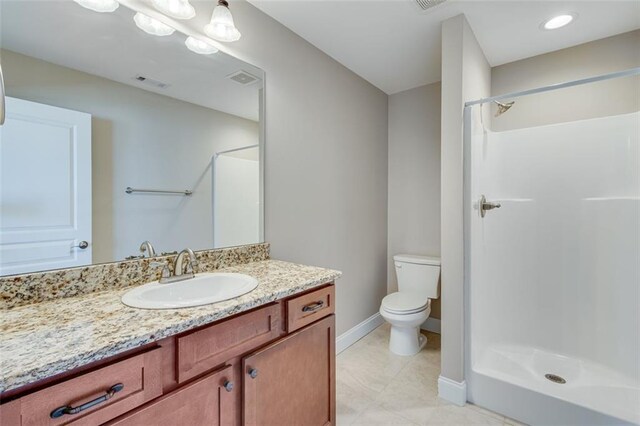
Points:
(431, 324)
(452, 391)
(356, 333)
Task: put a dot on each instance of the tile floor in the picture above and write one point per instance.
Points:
(376, 387)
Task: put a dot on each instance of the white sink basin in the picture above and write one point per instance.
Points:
(203, 289)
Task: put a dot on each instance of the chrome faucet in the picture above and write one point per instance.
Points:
(191, 264)
(181, 270)
(146, 246)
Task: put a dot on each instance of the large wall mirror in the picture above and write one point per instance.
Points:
(114, 137)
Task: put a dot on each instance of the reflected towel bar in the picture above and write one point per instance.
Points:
(131, 190)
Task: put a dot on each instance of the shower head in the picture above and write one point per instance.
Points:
(502, 107)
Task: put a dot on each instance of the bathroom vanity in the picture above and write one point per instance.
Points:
(267, 357)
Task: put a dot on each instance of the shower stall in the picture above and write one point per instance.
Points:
(552, 259)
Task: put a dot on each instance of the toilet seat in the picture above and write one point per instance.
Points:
(404, 303)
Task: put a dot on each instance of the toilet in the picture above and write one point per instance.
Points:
(410, 306)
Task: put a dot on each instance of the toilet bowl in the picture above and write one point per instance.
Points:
(407, 309)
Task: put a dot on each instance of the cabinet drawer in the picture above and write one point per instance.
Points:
(202, 402)
(310, 307)
(138, 380)
(205, 349)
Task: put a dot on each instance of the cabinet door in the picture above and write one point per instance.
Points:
(292, 381)
(208, 401)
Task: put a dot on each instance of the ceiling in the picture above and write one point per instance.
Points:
(396, 46)
(110, 45)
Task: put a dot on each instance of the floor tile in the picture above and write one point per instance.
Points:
(376, 387)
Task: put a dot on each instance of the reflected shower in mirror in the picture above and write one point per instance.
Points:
(115, 137)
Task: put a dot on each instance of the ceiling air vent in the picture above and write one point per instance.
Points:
(243, 77)
(428, 4)
(150, 81)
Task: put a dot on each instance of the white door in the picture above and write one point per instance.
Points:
(45, 188)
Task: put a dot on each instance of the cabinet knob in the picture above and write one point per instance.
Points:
(228, 386)
(253, 373)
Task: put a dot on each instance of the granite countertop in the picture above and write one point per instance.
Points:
(48, 338)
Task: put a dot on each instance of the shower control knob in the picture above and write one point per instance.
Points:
(484, 205)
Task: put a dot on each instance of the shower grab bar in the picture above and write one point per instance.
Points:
(617, 74)
(131, 190)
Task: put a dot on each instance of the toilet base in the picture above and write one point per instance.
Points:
(406, 341)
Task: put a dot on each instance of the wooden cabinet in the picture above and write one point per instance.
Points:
(292, 381)
(91, 398)
(242, 370)
(309, 307)
(202, 350)
(207, 402)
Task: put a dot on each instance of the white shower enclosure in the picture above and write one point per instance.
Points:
(236, 197)
(553, 274)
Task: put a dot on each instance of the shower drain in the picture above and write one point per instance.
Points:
(555, 378)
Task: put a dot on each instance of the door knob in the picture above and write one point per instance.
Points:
(253, 373)
(81, 245)
(228, 386)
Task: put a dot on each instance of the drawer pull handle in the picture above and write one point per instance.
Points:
(313, 306)
(67, 409)
(228, 386)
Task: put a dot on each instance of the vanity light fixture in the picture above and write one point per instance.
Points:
(179, 9)
(221, 27)
(200, 47)
(99, 5)
(152, 26)
(558, 21)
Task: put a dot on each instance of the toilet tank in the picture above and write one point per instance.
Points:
(418, 274)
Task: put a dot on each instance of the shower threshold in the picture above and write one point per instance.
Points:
(578, 381)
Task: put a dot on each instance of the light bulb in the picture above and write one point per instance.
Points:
(152, 26)
(99, 5)
(179, 9)
(199, 46)
(221, 27)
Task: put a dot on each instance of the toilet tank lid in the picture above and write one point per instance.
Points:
(420, 260)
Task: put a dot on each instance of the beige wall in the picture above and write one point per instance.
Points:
(598, 57)
(326, 162)
(136, 142)
(414, 177)
(466, 76)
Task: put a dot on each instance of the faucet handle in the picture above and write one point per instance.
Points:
(166, 273)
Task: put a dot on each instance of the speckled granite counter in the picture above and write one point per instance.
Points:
(41, 340)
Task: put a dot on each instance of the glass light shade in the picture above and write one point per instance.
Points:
(99, 5)
(199, 46)
(152, 26)
(179, 9)
(558, 22)
(221, 27)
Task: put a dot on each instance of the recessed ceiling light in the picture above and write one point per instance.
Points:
(180, 9)
(558, 21)
(152, 26)
(199, 46)
(99, 5)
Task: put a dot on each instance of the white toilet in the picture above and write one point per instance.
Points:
(409, 307)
